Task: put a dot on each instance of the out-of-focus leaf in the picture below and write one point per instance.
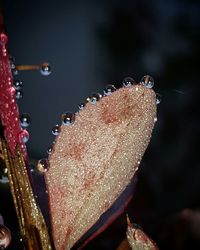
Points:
(138, 240)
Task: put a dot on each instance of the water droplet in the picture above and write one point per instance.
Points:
(56, 130)
(5, 237)
(17, 84)
(43, 165)
(158, 98)
(19, 94)
(15, 71)
(81, 105)
(12, 65)
(68, 118)
(128, 81)
(25, 120)
(147, 81)
(49, 150)
(109, 89)
(12, 59)
(94, 98)
(23, 136)
(45, 69)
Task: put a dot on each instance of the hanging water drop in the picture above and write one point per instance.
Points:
(56, 130)
(128, 81)
(42, 165)
(147, 81)
(25, 120)
(17, 84)
(49, 150)
(45, 69)
(18, 94)
(94, 98)
(12, 65)
(23, 136)
(12, 59)
(81, 105)
(15, 71)
(68, 118)
(109, 89)
(158, 98)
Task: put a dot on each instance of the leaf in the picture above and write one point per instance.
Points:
(94, 159)
(138, 239)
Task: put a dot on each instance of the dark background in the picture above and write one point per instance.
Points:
(93, 43)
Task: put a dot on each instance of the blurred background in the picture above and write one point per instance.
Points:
(93, 43)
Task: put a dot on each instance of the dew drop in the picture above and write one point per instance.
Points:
(49, 150)
(109, 89)
(56, 130)
(15, 71)
(17, 84)
(12, 65)
(128, 81)
(147, 81)
(25, 120)
(81, 105)
(158, 98)
(68, 118)
(19, 94)
(12, 59)
(94, 98)
(23, 136)
(45, 69)
(42, 165)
